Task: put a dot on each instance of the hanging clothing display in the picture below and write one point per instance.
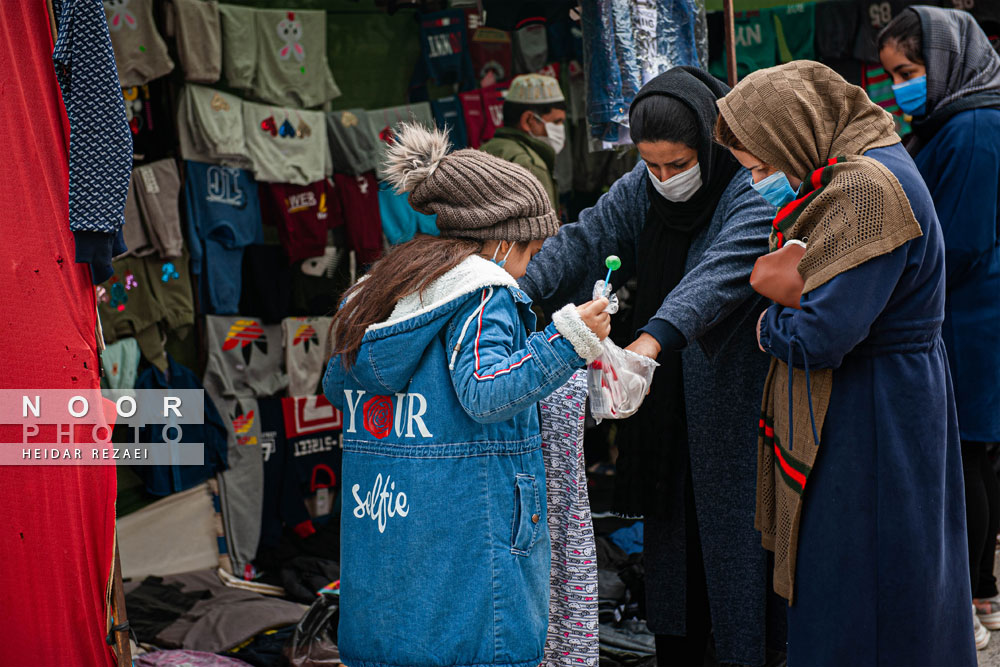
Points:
(305, 341)
(352, 148)
(572, 638)
(140, 52)
(384, 123)
(210, 127)
(292, 69)
(302, 214)
(286, 145)
(198, 29)
(150, 117)
(620, 54)
(400, 222)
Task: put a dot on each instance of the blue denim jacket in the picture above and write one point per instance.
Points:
(445, 546)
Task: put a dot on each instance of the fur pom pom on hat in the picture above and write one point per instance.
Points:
(474, 194)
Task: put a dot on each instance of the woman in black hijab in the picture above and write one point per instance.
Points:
(687, 225)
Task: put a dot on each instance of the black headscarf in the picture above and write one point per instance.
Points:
(654, 440)
(963, 70)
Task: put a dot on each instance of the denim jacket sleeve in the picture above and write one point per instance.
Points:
(495, 381)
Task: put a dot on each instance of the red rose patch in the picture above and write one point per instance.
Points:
(378, 416)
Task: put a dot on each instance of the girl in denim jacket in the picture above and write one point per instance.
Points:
(445, 545)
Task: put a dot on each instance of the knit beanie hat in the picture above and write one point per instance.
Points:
(475, 195)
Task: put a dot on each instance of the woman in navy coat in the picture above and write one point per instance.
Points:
(881, 534)
(947, 76)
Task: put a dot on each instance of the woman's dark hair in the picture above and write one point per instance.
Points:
(905, 34)
(663, 118)
(725, 137)
(512, 111)
(407, 269)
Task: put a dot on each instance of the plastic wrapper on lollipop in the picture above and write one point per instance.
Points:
(617, 380)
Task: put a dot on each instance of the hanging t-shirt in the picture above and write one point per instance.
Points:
(444, 52)
(448, 116)
(292, 68)
(302, 462)
(530, 46)
(756, 44)
(199, 39)
(839, 21)
(305, 340)
(874, 15)
(400, 222)
(303, 214)
(147, 109)
(244, 357)
(362, 221)
(352, 147)
(492, 55)
(795, 32)
(483, 111)
(318, 283)
(383, 125)
(223, 214)
(140, 52)
(210, 127)
(162, 480)
(286, 145)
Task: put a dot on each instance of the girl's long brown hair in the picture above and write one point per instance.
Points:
(407, 269)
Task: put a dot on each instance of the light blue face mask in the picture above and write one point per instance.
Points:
(775, 189)
(911, 96)
(504, 260)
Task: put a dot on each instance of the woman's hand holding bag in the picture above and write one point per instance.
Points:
(776, 275)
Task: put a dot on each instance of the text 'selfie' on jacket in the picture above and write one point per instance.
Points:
(445, 547)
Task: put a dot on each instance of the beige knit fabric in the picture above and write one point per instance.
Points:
(474, 194)
(796, 117)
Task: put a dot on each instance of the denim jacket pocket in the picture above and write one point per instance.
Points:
(527, 515)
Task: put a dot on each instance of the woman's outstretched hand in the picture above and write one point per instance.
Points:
(593, 315)
(645, 345)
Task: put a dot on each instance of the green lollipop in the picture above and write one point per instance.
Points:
(613, 263)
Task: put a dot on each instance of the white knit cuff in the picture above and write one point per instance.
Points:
(584, 341)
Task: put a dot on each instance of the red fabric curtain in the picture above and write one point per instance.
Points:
(57, 527)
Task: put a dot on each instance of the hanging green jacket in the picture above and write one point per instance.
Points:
(530, 152)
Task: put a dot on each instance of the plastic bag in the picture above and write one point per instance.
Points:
(618, 380)
(314, 643)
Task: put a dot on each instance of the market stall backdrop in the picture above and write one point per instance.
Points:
(256, 200)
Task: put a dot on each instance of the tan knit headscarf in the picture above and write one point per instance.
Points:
(806, 120)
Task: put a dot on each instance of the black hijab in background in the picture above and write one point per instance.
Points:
(654, 440)
(963, 70)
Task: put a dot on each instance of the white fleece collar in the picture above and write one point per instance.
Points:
(473, 274)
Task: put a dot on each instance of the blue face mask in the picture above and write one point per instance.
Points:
(775, 189)
(912, 96)
(503, 261)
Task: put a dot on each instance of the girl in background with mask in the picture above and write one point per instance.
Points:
(860, 488)
(686, 223)
(947, 77)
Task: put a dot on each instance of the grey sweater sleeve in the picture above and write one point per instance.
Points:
(716, 291)
(571, 261)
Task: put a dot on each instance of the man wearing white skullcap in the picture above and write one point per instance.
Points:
(534, 130)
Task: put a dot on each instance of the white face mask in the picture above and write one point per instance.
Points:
(555, 134)
(679, 187)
